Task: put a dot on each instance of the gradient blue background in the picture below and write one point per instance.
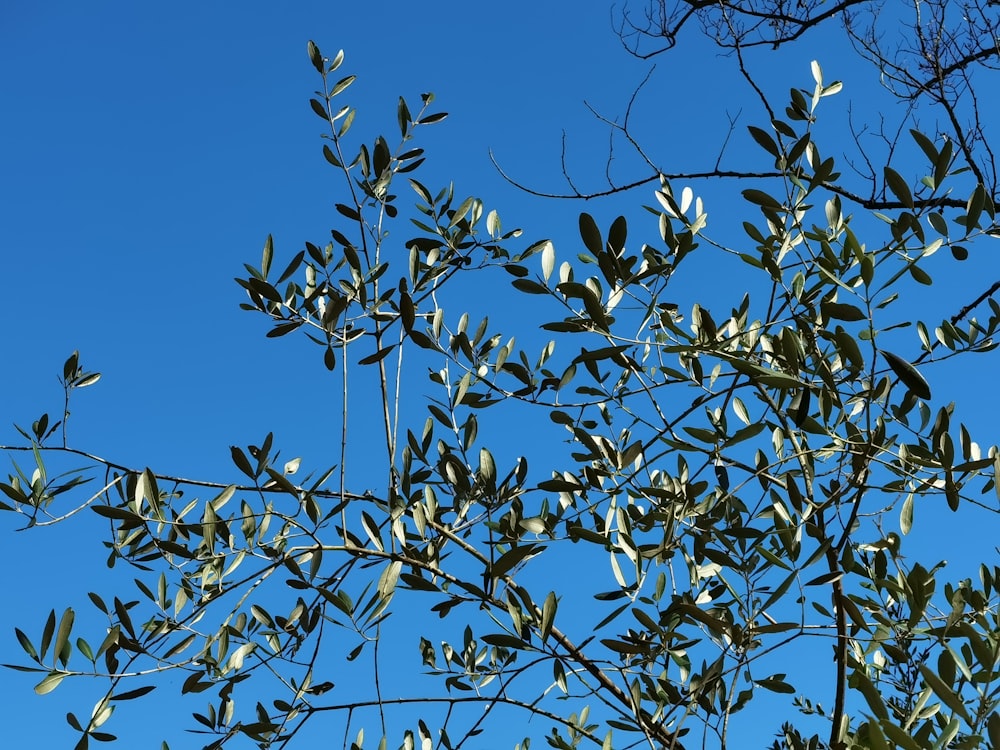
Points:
(146, 150)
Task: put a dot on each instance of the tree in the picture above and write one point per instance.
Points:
(723, 480)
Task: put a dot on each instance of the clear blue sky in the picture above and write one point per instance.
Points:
(148, 149)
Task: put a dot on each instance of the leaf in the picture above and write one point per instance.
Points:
(118, 514)
(87, 380)
(507, 561)
(504, 641)
(533, 525)
(26, 644)
(775, 684)
(436, 117)
(493, 223)
(761, 198)
(47, 633)
(798, 408)
(841, 311)
(403, 116)
(342, 84)
(826, 578)
(319, 109)
(133, 694)
(241, 461)
(487, 468)
(898, 187)
(908, 375)
(349, 211)
(591, 235)
(906, 515)
(315, 57)
(944, 692)
(765, 141)
(993, 728)
(919, 275)
(548, 615)
(741, 410)
(764, 375)
(926, 145)
(377, 356)
(529, 287)
(50, 683)
(331, 157)
(896, 734)
(548, 260)
(860, 682)
(461, 211)
(702, 434)
(70, 366)
(387, 581)
(817, 72)
(62, 635)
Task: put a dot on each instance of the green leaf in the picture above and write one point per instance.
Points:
(926, 145)
(50, 683)
(993, 729)
(70, 366)
(842, 311)
(530, 287)
(860, 682)
(372, 530)
(504, 641)
(548, 260)
(764, 375)
(775, 683)
(703, 435)
(487, 468)
(533, 525)
(898, 735)
(765, 141)
(548, 615)
(906, 515)
(898, 187)
(591, 235)
(974, 208)
(241, 461)
(908, 375)
(378, 356)
(331, 157)
(403, 116)
(342, 84)
(62, 635)
(315, 57)
(118, 514)
(436, 117)
(26, 644)
(387, 581)
(761, 199)
(461, 211)
(510, 559)
(133, 694)
(319, 109)
(944, 692)
(47, 632)
(798, 407)
(825, 578)
(919, 275)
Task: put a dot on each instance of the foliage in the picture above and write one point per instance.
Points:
(712, 508)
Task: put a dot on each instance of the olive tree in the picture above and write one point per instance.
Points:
(630, 523)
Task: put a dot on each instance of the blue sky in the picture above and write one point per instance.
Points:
(148, 150)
